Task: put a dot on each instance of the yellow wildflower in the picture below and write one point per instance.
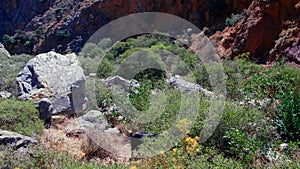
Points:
(197, 138)
(180, 167)
(81, 154)
(174, 150)
(165, 132)
(188, 139)
(184, 122)
(187, 149)
(195, 144)
(174, 160)
(17, 168)
(133, 167)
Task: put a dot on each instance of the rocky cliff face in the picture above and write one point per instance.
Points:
(266, 30)
(16, 14)
(66, 25)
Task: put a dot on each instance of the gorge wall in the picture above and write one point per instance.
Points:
(267, 29)
(66, 25)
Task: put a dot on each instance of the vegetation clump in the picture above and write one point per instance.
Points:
(20, 116)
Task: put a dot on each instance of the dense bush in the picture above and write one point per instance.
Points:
(8, 40)
(105, 69)
(243, 146)
(20, 116)
(25, 39)
(250, 120)
(167, 115)
(287, 116)
(148, 42)
(237, 72)
(103, 95)
(92, 55)
(9, 69)
(272, 83)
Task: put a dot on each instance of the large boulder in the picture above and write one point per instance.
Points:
(93, 120)
(15, 139)
(56, 77)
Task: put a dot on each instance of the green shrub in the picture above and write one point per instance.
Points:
(39, 31)
(103, 95)
(242, 146)
(151, 41)
(21, 36)
(119, 49)
(237, 71)
(246, 68)
(8, 39)
(105, 44)
(160, 116)
(287, 117)
(272, 83)
(131, 51)
(89, 65)
(61, 34)
(59, 11)
(26, 39)
(9, 69)
(153, 77)
(92, 55)
(202, 77)
(105, 69)
(182, 70)
(154, 44)
(20, 116)
(141, 100)
(251, 120)
(164, 46)
(29, 43)
(233, 19)
(91, 50)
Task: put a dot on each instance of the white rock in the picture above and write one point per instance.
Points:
(56, 77)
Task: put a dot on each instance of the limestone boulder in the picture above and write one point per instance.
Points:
(56, 77)
(93, 120)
